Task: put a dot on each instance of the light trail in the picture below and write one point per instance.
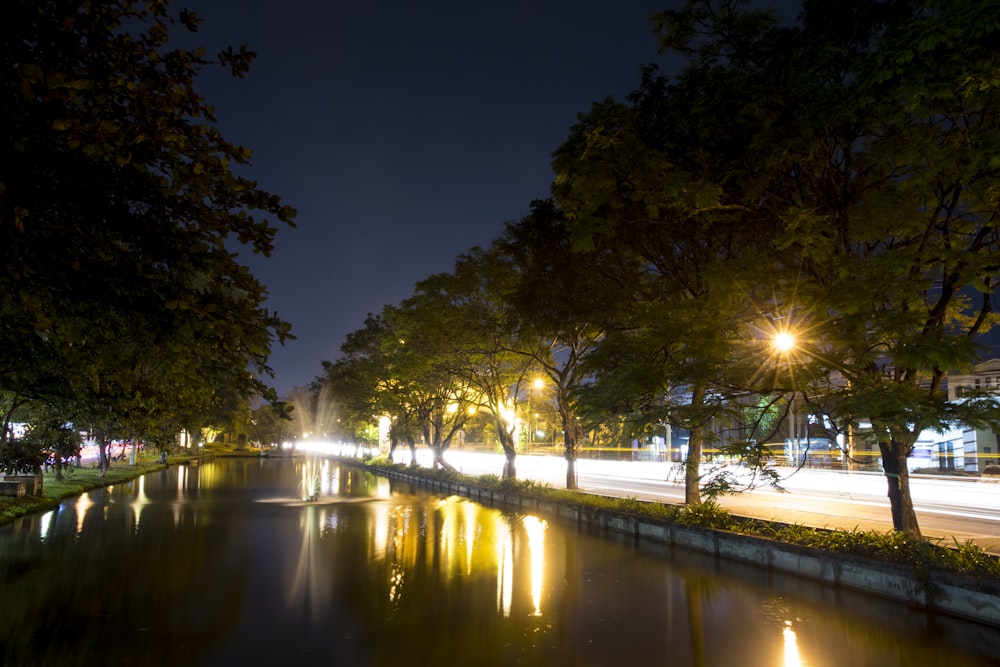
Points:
(963, 509)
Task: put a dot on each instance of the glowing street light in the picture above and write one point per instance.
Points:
(783, 341)
(536, 387)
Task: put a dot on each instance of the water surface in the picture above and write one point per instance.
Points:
(226, 564)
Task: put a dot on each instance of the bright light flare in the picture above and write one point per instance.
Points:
(783, 341)
(321, 447)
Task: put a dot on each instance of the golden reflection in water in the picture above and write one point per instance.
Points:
(44, 523)
(458, 534)
(448, 510)
(396, 574)
(467, 540)
(505, 565)
(140, 501)
(209, 476)
(182, 478)
(535, 528)
(310, 580)
(392, 542)
(792, 658)
(404, 551)
(381, 527)
(82, 505)
(470, 523)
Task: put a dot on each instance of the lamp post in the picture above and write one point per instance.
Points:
(537, 385)
(783, 343)
(667, 440)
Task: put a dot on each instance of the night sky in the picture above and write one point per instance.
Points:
(404, 133)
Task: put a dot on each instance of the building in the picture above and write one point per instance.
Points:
(967, 449)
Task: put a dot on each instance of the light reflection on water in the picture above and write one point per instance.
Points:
(227, 563)
(792, 658)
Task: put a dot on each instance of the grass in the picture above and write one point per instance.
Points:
(76, 481)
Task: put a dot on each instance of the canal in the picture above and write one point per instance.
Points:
(229, 563)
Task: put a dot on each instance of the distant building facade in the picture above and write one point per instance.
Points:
(966, 449)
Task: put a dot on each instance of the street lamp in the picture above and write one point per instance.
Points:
(783, 341)
(537, 385)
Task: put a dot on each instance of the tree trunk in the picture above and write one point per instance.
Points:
(509, 465)
(103, 463)
(904, 519)
(571, 473)
(509, 450)
(692, 465)
(439, 459)
(412, 442)
(569, 446)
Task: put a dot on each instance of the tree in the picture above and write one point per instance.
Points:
(559, 304)
(119, 212)
(53, 436)
(489, 364)
(875, 134)
(637, 178)
(270, 425)
(427, 390)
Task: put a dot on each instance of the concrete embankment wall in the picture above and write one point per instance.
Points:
(972, 598)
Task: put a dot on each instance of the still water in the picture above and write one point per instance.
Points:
(226, 564)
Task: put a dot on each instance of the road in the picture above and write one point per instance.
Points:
(947, 508)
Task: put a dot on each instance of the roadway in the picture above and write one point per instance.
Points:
(948, 509)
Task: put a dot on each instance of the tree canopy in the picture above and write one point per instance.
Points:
(834, 178)
(122, 212)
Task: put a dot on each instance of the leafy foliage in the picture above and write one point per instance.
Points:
(818, 175)
(120, 207)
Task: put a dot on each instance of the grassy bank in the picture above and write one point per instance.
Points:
(77, 481)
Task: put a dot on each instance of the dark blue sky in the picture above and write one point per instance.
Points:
(405, 133)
